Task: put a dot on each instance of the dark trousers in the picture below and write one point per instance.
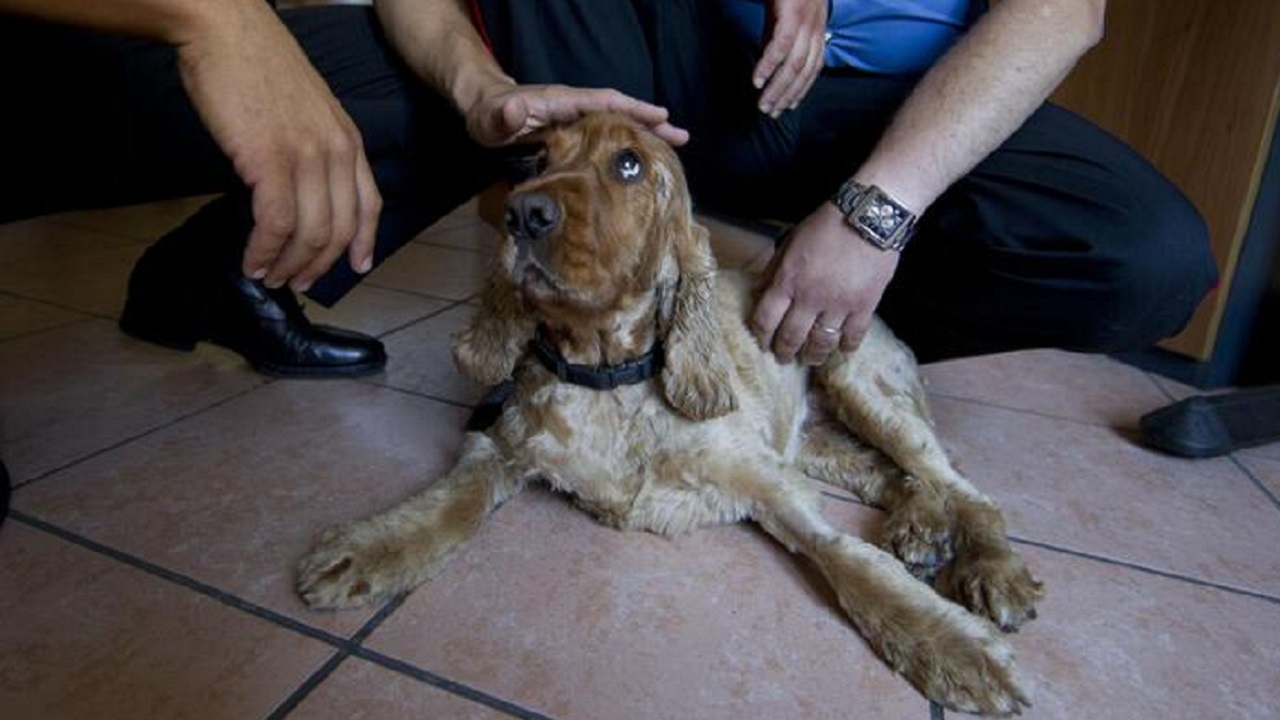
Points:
(93, 120)
(1064, 237)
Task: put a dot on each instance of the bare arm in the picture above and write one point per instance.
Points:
(437, 39)
(171, 21)
(979, 93)
(969, 103)
(289, 139)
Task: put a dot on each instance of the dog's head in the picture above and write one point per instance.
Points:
(602, 243)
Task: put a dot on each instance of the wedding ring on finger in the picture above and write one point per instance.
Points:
(826, 330)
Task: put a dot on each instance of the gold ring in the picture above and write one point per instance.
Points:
(827, 330)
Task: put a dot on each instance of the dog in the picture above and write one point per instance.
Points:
(640, 392)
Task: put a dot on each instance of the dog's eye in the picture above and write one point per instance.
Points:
(628, 166)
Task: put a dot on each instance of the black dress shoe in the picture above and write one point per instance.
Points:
(265, 326)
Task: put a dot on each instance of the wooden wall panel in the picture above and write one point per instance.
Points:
(1192, 85)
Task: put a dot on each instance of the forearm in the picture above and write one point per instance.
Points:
(171, 21)
(979, 93)
(439, 42)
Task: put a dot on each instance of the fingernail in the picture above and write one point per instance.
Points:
(757, 81)
(766, 108)
(259, 273)
(366, 266)
(299, 287)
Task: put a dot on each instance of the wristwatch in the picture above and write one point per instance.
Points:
(877, 217)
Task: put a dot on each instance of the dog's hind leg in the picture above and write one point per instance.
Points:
(935, 514)
(365, 561)
(951, 656)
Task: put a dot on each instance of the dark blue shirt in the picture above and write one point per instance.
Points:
(893, 37)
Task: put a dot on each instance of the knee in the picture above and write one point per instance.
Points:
(1157, 269)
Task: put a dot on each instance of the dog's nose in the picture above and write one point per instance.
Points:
(532, 215)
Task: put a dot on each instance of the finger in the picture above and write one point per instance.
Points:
(854, 329)
(360, 253)
(311, 235)
(343, 211)
(770, 310)
(783, 75)
(344, 214)
(793, 332)
(824, 337)
(806, 77)
(577, 102)
(775, 52)
(274, 218)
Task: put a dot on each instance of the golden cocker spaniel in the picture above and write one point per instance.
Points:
(640, 392)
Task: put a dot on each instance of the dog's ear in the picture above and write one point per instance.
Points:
(696, 375)
(495, 338)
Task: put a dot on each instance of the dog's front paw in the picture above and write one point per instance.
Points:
(995, 585)
(346, 570)
(918, 533)
(971, 672)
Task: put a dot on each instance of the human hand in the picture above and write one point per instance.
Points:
(512, 112)
(793, 56)
(824, 289)
(289, 140)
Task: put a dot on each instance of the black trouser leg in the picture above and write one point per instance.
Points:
(98, 120)
(1064, 237)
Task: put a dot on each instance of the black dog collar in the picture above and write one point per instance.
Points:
(597, 377)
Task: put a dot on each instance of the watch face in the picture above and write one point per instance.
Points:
(882, 216)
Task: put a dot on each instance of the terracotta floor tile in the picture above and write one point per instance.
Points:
(78, 389)
(465, 214)
(360, 690)
(374, 310)
(232, 497)
(1087, 488)
(420, 359)
(432, 270)
(19, 316)
(44, 239)
(559, 614)
(1265, 469)
(93, 281)
(736, 247)
(1117, 644)
(87, 637)
(474, 235)
(147, 221)
(1089, 388)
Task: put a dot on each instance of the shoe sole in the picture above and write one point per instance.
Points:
(280, 371)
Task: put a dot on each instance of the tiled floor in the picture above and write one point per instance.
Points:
(163, 498)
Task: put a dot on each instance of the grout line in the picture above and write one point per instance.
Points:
(1159, 386)
(416, 293)
(345, 647)
(308, 686)
(434, 314)
(446, 684)
(415, 393)
(313, 681)
(1275, 502)
(84, 318)
(1025, 411)
(181, 580)
(1112, 561)
(1149, 570)
(162, 426)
